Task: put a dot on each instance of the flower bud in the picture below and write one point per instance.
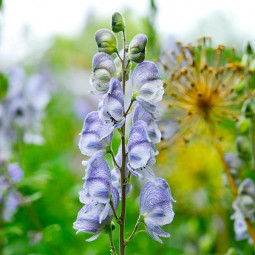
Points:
(243, 125)
(136, 50)
(249, 50)
(248, 108)
(243, 146)
(118, 22)
(106, 41)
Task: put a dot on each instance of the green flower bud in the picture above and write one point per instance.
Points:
(118, 22)
(249, 49)
(106, 41)
(243, 147)
(3, 85)
(248, 108)
(243, 125)
(240, 87)
(136, 49)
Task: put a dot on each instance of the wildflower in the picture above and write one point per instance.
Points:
(136, 49)
(141, 153)
(88, 221)
(200, 87)
(156, 208)
(15, 172)
(90, 143)
(112, 109)
(153, 131)
(147, 85)
(106, 41)
(98, 182)
(103, 69)
(247, 187)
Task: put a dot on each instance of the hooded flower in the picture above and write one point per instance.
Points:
(147, 85)
(141, 114)
(156, 208)
(112, 109)
(98, 182)
(88, 220)
(247, 187)
(141, 153)
(90, 143)
(103, 69)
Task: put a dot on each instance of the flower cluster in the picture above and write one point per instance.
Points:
(21, 110)
(10, 198)
(136, 155)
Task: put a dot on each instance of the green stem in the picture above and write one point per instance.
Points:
(122, 172)
(134, 231)
(114, 212)
(114, 161)
(111, 242)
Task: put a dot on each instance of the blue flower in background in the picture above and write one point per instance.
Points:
(141, 153)
(147, 85)
(156, 207)
(141, 114)
(103, 69)
(15, 172)
(112, 108)
(90, 143)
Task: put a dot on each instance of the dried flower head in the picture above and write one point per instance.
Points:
(201, 84)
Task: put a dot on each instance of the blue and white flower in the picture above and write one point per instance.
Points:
(147, 85)
(141, 152)
(112, 108)
(141, 114)
(103, 69)
(156, 207)
(90, 143)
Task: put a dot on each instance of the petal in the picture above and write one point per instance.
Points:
(145, 173)
(106, 130)
(94, 237)
(104, 213)
(156, 229)
(102, 60)
(146, 105)
(153, 235)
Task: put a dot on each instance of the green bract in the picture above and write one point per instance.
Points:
(106, 41)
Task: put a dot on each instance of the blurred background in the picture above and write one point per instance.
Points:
(58, 36)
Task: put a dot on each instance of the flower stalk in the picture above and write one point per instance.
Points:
(122, 171)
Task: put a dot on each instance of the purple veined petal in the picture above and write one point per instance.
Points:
(15, 172)
(94, 237)
(146, 105)
(104, 213)
(106, 130)
(98, 189)
(90, 143)
(98, 168)
(153, 235)
(146, 82)
(138, 134)
(139, 155)
(156, 229)
(141, 114)
(154, 195)
(115, 197)
(143, 173)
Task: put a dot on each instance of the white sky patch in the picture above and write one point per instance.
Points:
(44, 18)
